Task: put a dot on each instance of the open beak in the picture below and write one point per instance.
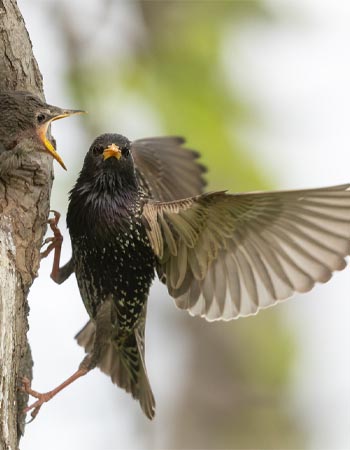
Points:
(112, 150)
(57, 114)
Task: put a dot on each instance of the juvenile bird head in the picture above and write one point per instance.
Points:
(24, 123)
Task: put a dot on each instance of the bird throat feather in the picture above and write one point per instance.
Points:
(103, 203)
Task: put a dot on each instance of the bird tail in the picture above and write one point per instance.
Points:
(124, 364)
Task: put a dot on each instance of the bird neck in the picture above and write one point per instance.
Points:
(102, 204)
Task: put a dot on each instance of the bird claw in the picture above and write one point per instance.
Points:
(55, 219)
(41, 399)
(57, 238)
(47, 240)
(34, 413)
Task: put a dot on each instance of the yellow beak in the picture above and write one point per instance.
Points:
(42, 132)
(112, 150)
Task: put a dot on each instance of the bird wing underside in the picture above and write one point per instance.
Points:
(169, 171)
(228, 255)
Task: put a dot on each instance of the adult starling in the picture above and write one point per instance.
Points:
(136, 210)
(24, 122)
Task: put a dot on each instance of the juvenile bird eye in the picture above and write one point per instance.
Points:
(40, 118)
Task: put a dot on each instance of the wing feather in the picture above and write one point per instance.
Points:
(229, 255)
(232, 305)
(166, 169)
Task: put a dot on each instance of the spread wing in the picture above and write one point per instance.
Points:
(228, 255)
(169, 171)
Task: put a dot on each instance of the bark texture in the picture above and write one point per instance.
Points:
(24, 207)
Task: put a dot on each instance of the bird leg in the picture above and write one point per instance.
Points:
(56, 239)
(45, 397)
(58, 274)
(88, 363)
(55, 244)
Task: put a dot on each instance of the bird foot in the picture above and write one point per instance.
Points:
(41, 398)
(57, 238)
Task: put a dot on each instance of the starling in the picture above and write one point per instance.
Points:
(24, 122)
(136, 210)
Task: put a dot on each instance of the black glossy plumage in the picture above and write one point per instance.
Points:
(110, 244)
(112, 255)
(113, 260)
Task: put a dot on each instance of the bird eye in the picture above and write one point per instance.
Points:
(126, 151)
(40, 118)
(97, 150)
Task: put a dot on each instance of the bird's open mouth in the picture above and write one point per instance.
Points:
(112, 150)
(42, 132)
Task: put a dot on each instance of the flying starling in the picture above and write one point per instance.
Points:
(136, 210)
(24, 122)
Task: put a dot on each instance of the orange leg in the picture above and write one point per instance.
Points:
(45, 397)
(55, 244)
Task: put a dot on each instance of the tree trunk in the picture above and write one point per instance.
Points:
(24, 207)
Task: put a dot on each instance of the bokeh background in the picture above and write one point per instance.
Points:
(262, 89)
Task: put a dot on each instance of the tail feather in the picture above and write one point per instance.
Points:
(86, 336)
(124, 364)
(145, 393)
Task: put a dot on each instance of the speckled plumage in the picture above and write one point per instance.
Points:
(113, 259)
(122, 266)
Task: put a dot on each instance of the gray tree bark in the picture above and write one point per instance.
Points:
(24, 207)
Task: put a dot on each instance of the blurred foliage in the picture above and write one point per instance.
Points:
(235, 389)
(176, 66)
(236, 395)
(181, 74)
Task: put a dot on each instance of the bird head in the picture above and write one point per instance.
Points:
(105, 187)
(24, 117)
(110, 157)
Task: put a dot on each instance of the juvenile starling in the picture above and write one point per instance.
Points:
(24, 122)
(136, 208)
